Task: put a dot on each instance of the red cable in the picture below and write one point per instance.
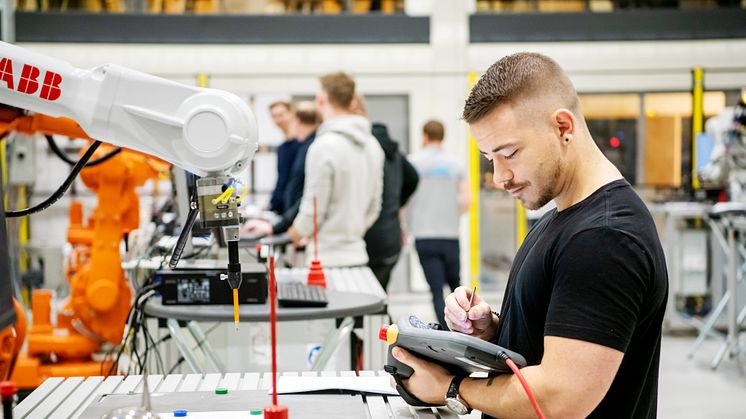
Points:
(273, 325)
(509, 362)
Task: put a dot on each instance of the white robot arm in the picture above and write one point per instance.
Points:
(205, 131)
(209, 132)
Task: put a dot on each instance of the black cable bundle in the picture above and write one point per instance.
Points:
(62, 189)
(135, 325)
(64, 157)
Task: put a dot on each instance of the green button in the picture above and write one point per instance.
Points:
(256, 411)
(221, 390)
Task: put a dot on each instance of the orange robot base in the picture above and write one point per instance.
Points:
(100, 297)
(11, 340)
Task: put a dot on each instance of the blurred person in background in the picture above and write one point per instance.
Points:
(282, 116)
(344, 173)
(306, 122)
(385, 238)
(434, 213)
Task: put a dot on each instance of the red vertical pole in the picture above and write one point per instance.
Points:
(273, 325)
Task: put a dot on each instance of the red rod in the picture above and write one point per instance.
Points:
(273, 325)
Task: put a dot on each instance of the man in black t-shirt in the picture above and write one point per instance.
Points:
(587, 289)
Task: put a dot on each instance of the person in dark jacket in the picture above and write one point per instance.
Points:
(384, 238)
(282, 115)
(307, 119)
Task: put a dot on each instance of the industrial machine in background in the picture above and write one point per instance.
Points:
(208, 132)
(725, 163)
(93, 315)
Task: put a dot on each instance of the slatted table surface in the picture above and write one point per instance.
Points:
(359, 279)
(60, 398)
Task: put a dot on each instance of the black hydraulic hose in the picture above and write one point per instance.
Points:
(59, 153)
(62, 189)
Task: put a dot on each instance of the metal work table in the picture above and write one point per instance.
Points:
(61, 398)
(673, 247)
(341, 304)
(726, 223)
(352, 292)
(735, 229)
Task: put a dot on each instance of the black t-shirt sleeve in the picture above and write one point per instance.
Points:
(599, 286)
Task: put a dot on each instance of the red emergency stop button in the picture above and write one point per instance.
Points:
(382, 333)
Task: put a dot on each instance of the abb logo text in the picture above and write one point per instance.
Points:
(29, 81)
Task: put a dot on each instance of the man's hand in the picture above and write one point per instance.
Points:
(429, 382)
(295, 236)
(257, 226)
(476, 320)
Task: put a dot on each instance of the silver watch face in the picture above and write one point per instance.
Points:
(456, 406)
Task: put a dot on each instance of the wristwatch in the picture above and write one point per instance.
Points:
(454, 402)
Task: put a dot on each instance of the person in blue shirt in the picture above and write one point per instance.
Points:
(282, 116)
(307, 119)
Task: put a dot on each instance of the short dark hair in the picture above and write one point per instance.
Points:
(434, 130)
(340, 87)
(307, 116)
(516, 77)
(284, 104)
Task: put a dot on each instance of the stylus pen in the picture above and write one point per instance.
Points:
(471, 299)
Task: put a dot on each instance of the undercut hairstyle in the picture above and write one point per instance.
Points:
(307, 115)
(434, 130)
(282, 103)
(518, 78)
(340, 88)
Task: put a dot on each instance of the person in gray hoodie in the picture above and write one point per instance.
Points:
(344, 171)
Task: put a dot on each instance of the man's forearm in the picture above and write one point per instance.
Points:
(503, 396)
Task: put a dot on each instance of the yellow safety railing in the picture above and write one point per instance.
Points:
(698, 89)
(474, 181)
(521, 223)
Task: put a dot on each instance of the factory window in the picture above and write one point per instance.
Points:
(647, 136)
(260, 7)
(668, 130)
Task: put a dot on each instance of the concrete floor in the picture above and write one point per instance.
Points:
(688, 388)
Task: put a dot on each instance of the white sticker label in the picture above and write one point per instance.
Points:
(474, 363)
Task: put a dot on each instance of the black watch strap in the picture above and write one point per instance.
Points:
(408, 397)
(453, 391)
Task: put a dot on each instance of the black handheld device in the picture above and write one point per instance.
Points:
(460, 354)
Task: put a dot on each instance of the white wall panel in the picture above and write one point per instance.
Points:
(632, 66)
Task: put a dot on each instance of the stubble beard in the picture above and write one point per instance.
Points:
(546, 187)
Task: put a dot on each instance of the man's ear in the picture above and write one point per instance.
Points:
(564, 122)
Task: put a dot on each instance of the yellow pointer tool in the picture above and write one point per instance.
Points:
(235, 307)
